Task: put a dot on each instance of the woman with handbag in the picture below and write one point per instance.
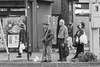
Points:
(23, 41)
(78, 45)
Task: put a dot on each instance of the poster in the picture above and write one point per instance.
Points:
(53, 25)
(13, 41)
(12, 27)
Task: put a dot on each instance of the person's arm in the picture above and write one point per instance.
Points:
(65, 34)
(76, 34)
(80, 33)
(21, 35)
(51, 36)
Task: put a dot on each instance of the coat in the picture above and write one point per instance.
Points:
(48, 40)
(22, 36)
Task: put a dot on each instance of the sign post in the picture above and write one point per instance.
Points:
(5, 43)
(26, 19)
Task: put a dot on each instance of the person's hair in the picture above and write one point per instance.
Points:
(62, 21)
(78, 27)
(83, 25)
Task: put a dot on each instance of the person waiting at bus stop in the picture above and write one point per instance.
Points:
(47, 43)
(62, 38)
(79, 33)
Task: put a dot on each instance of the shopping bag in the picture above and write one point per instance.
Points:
(36, 59)
(22, 47)
(83, 39)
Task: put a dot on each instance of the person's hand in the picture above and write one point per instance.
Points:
(62, 45)
(20, 42)
(65, 41)
(43, 40)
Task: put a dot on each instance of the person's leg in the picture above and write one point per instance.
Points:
(64, 59)
(63, 55)
(77, 52)
(80, 49)
(44, 54)
(59, 47)
(19, 54)
(60, 41)
(49, 51)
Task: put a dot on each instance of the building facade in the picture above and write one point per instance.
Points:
(86, 11)
(36, 9)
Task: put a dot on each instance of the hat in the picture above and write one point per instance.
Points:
(83, 24)
(22, 26)
(46, 23)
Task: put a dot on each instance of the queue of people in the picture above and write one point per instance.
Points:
(65, 41)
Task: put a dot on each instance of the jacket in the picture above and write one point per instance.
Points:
(48, 40)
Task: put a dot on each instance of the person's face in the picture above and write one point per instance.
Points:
(60, 23)
(80, 26)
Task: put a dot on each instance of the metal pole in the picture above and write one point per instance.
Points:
(37, 26)
(26, 18)
(90, 23)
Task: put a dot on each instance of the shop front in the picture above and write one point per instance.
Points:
(10, 15)
(15, 12)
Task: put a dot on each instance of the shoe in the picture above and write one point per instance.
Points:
(63, 60)
(59, 60)
(19, 56)
(49, 61)
(44, 61)
(74, 57)
(30, 53)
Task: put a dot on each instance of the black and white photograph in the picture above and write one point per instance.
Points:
(49, 33)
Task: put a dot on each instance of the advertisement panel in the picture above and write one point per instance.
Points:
(13, 41)
(53, 25)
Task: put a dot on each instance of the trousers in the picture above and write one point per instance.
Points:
(61, 53)
(46, 53)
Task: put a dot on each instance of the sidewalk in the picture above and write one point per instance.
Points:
(22, 62)
(55, 56)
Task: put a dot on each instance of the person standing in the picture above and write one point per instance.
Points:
(62, 38)
(70, 29)
(80, 46)
(23, 40)
(47, 41)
